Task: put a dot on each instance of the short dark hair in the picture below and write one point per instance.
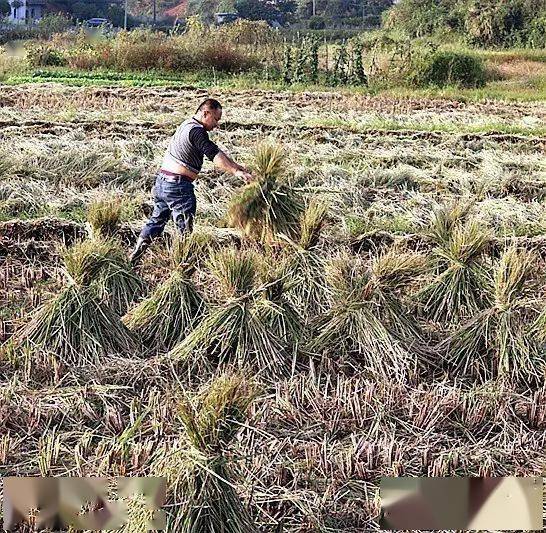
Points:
(209, 103)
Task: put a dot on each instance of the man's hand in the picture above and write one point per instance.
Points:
(244, 174)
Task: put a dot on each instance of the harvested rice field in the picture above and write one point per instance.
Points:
(373, 305)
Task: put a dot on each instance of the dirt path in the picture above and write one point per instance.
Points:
(153, 131)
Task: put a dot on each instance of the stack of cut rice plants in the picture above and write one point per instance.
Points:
(539, 328)
(309, 290)
(498, 342)
(200, 476)
(366, 320)
(116, 283)
(446, 218)
(76, 326)
(268, 206)
(275, 308)
(235, 331)
(168, 315)
(104, 216)
(457, 291)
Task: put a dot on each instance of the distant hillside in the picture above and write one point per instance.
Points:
(141, 8)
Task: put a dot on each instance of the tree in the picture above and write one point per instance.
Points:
(339, 9)
(256, 9)
(491, 23)
(483, 22)
(5, 8)
(280, 10)
(145, 8)
(116, 15)
(287, 10)
(204, 8)
(418, 18)
(85, 10)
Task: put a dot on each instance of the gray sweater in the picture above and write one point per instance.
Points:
(189, 144)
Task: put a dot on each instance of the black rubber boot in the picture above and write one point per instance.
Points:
(138, 252)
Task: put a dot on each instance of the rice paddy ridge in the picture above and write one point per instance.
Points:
(52, 96)
(153, 130)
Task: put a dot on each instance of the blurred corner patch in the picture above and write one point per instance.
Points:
(496, 503)
(81, 503)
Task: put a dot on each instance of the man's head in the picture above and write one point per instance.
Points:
(209, 113)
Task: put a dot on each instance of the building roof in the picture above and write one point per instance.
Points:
(29, 3)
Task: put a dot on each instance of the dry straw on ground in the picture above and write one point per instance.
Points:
(308, 455)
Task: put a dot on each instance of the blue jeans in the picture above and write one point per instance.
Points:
(170, 199)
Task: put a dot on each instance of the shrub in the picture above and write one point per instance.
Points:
(224, 58)
(449, 68)
(84, 58)
(483, 22)
(534, 35)
(247, 32)
(317, 23)
(418, 18)
(17, 33)
(53, 23)
(144, 50)
(371, 21)
(503, 22)
(44, 55)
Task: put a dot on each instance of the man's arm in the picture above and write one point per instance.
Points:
(226, 164)
(200, 139)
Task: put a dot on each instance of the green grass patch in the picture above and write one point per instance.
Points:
(196, 79)
(508, 90)
(360, 225)
(394, 125)
(505, 90)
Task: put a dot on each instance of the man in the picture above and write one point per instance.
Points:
(173, 191)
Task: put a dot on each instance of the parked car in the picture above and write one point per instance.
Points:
(97, 22)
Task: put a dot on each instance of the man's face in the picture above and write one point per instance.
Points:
(211, 118)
